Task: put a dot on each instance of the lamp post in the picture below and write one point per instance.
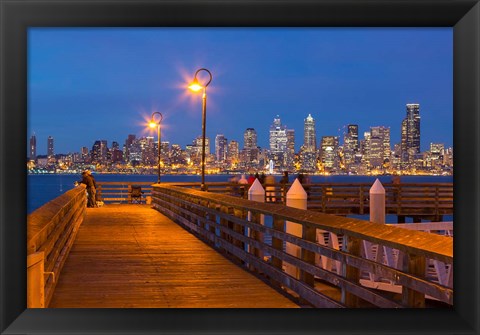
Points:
(195, 86)
(154, 124)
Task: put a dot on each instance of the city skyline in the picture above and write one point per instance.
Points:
(301, 138)
(105, 83)
(372, 154)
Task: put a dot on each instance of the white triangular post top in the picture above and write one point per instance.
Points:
(296, 191)
(377, 188)
(256, 188)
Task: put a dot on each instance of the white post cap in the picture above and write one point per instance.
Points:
(256, 188)
(297, 191)
(377, 188)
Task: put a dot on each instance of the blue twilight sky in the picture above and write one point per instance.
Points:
(87, 84)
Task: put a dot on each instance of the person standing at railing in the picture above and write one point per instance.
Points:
(90, 186)
(97, 196)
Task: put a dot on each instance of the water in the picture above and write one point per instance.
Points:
(44, 188)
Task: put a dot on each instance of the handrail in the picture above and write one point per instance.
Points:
(51, 230)
(233, 226)
(119, 192)
(432, 200)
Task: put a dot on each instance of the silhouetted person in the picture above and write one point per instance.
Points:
(90, 186)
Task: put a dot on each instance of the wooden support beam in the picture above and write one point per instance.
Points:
(352, 274)
(414, 265)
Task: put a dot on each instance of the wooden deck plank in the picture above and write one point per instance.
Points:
(131, 256)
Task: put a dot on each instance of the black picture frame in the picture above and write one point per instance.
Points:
(17, 16)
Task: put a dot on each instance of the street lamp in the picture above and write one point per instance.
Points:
(154, 124)
(196, 86)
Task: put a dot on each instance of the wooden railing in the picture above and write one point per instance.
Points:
(51, 230)
(428, 200)
(119, 192)
(339, 260)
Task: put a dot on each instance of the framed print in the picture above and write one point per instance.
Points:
(27, 24)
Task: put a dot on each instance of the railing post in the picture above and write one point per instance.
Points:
(415, 266)
(256, 193)
(297, 198)
(353, 246)
(361, 200)
(377, 202)
(277, 244)
(35, 280)
(238, 228)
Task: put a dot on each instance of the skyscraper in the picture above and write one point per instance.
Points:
(99, 152)
(232, 153)
(382, 133)
(411, 133)
(220, 148)
(350, 144)
(128, 143)
(289, 158)
(250, 149)
(33, 147)
(309, 135)
(328, 152)
(50, 151)
(281, 142)
(250, 138)
(308, 151)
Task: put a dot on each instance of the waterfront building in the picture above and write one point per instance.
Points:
(116, 155)
(437, 150)
(309, 134)
(149, 150)
(233, 153)
(50, 150)
(435, 157)
(197, 144)
(177, 155)
(329, 153)
(189, 153)
(128, 143)
(379, 150)
(220, 148)
(249, 154)
(99, 152)
(307, 156)
(307, 160)
(290, 156)
(33, 147)
(351, 145)
(135, 153)
(410, 134)
(282, 145)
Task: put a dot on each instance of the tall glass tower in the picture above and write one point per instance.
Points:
(220, 148)
(411, 133)
(309, 136)
(33, 147)
(50, 151)
(350, 144)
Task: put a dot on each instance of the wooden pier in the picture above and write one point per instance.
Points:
(190, 248)
(134, 257)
